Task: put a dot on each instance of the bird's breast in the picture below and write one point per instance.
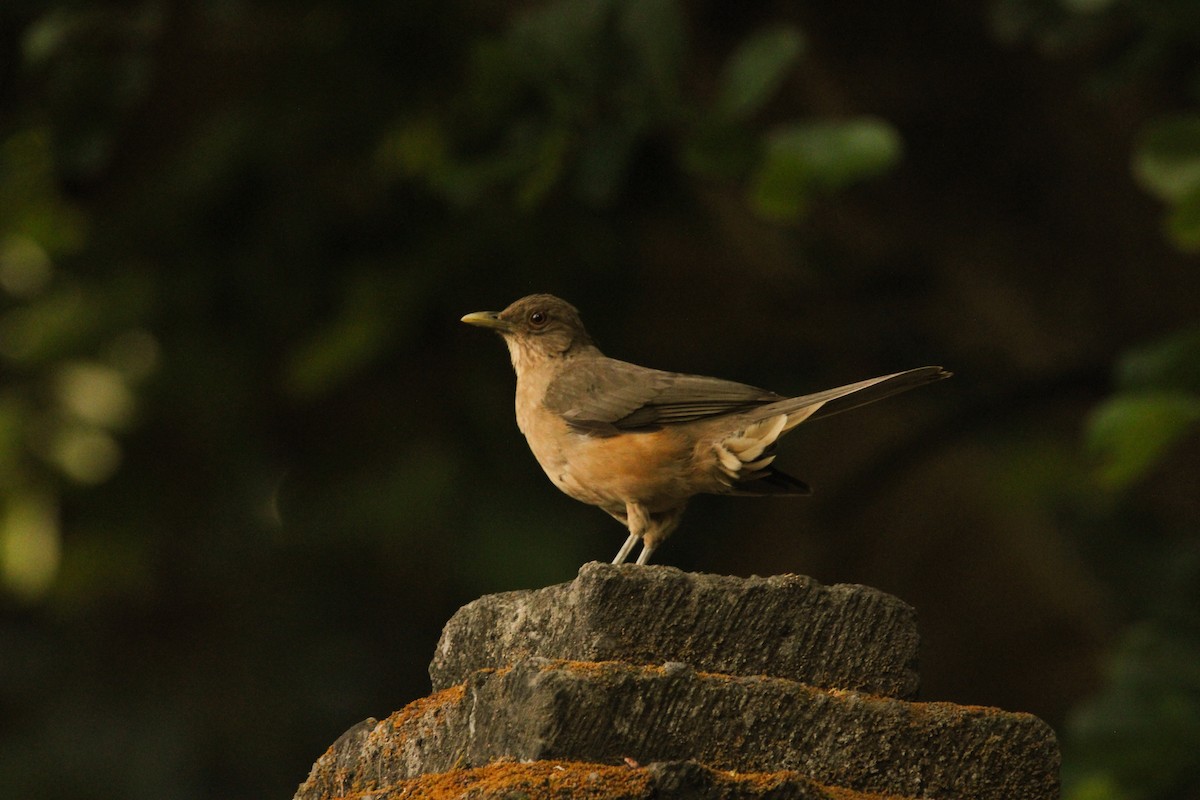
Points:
(649, 468)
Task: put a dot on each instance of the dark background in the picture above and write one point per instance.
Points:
(250, 462)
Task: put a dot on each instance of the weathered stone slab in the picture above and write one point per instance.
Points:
(787, 626)
(573, 780)
(606, 713)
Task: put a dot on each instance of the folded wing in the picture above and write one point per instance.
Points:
(614, 396)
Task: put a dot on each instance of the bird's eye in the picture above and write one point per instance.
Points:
(538, 318)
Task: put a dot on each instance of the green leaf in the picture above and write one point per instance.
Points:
(1095, 786)
(1137, 737)
(563, 41)
(820, 156)
(1132, 432)
(756, 71)
(1170, 363)
(1166, 160)
(374, 307)
(416, 148)
(1183, 223)
(654, 30)
(545, 168)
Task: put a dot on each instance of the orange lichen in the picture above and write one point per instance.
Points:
(541, 779)
(601, 667)
(427, 705)
(841, 793)
(555, 780)
(569, 780)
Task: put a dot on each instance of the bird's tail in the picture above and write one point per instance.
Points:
(744, 459)
(745, 455)
(844, 398)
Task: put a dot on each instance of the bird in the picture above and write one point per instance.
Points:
(639, 443)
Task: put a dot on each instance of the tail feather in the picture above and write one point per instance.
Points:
(756, 438)
(745, 455)
(772, 482)
(844, 398)
(747, 452)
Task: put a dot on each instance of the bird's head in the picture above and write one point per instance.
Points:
(536, 328)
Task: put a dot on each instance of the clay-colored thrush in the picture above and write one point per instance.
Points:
(639, 442)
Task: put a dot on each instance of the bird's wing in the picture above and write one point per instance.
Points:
(604, 396)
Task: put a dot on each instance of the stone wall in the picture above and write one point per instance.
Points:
(648, 682)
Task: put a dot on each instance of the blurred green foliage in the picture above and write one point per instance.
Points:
(804, 159)
(575, 90)
(1137, 739)
(1157, 404)
(1167, 162)
(249, 464)
(1140, 736)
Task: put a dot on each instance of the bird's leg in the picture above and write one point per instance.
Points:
(623, 553)
(656, 529)
(638, 520)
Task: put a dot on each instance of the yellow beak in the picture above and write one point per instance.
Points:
(487, 319)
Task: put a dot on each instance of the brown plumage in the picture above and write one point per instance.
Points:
(639, 442)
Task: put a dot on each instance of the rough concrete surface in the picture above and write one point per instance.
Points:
(787, 626)
(573, 780)
(608, 712)
(726, 687)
